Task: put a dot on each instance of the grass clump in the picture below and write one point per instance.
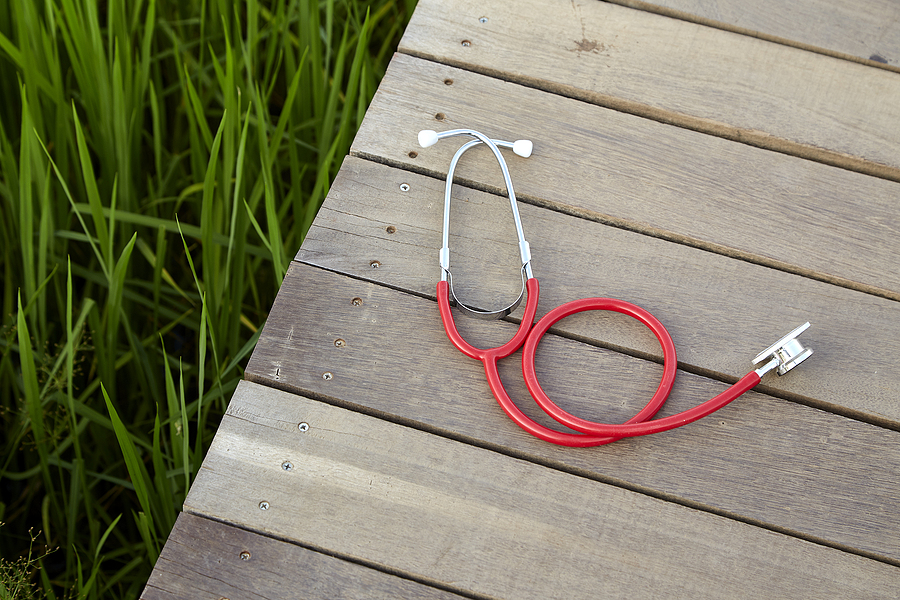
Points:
(160, 162)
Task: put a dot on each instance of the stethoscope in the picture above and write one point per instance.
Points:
(782, 356)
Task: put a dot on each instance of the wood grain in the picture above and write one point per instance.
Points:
(202, 559)
(674, 71)
(723, 196)
(720, 311)
(761, 459)
(489, 524)
(867, 30)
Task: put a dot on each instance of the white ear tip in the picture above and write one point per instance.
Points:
(427, 137)
(522, 147)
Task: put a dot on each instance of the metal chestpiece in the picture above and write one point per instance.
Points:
(786, 353)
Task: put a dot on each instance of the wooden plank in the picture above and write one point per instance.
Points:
(762, 459)
(723, 196)
(489, 524)
(674, 71)
(863, 29)
(205, 559)
(720, 311)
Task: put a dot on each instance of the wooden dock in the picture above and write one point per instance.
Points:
(733, 168)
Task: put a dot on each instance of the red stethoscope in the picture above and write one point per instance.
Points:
(782, 356)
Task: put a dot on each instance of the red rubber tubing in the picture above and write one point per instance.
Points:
(591, 433)
(627, 429)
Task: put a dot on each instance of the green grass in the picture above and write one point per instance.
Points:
(160, 163)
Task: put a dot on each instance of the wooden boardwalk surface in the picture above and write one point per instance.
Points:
(732, 175)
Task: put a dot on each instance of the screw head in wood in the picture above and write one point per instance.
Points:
(303, 427)
(263, 505)
(404, 187)
(327, 376)
(287, 465)
(356, 302)
(245, 555)
(483, 20)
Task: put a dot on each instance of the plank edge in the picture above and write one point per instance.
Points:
(637, 227)
(381, 568)
(549, 463)
(681, 15)
(749, 137)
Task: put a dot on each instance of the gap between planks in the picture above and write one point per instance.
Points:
(639, 228)
(549, 463)
(698, 19)
(350, 232)
(207, 556)
(756, 139)
(639, 175)
(367, 369)
(557, 330)
(244, 461)
(751, 128)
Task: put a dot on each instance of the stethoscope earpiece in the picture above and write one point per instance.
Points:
(427, 138)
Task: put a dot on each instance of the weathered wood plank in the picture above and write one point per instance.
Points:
(720, 311)
(728, 197)
(490, 524)
(762, 459)
(205, 559)
(674, 71)
(865, 29)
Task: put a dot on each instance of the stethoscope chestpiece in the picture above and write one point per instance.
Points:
(785, 354)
